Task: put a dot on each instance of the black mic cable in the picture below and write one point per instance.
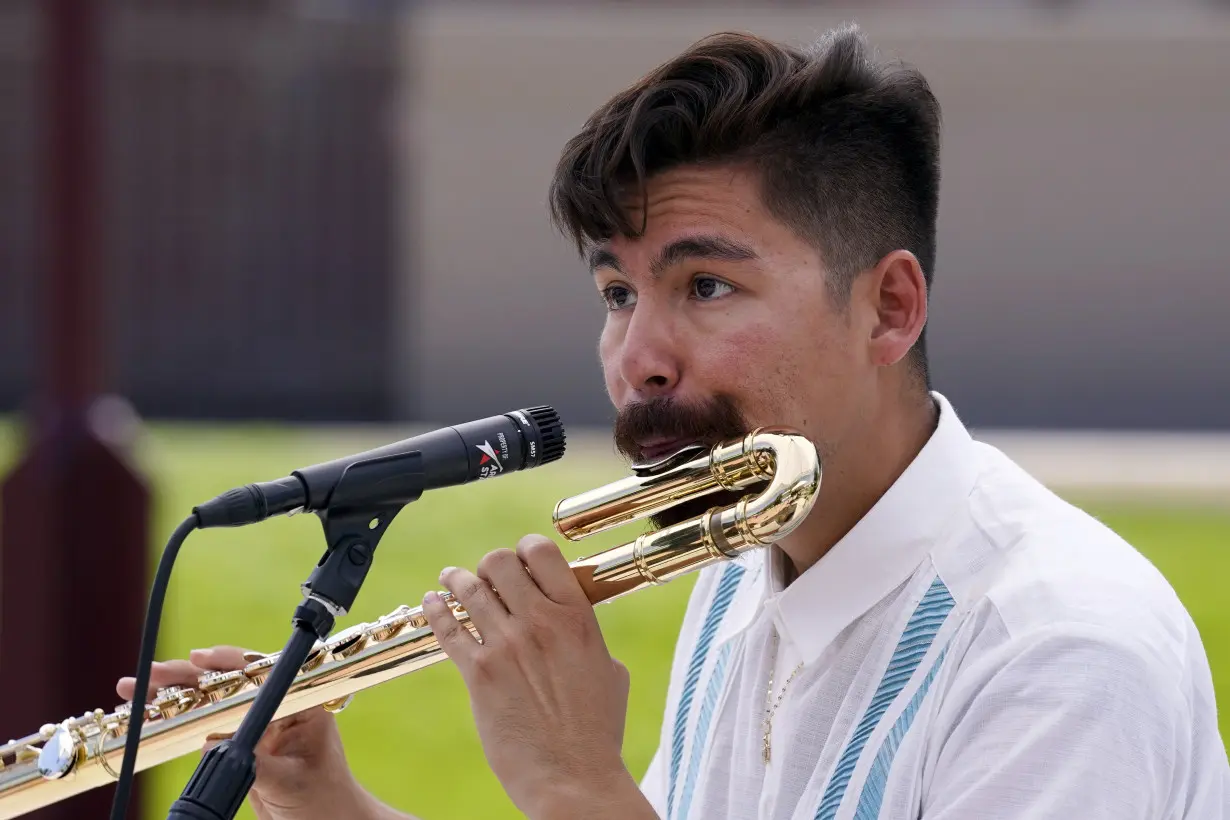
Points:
(149, 643)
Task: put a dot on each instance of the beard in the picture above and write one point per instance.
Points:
(706, 422)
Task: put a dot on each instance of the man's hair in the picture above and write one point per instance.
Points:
(845, 146)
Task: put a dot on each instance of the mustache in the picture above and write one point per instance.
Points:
(707, 421)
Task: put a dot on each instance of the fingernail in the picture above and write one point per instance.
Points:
(445, 572)
(431, 597)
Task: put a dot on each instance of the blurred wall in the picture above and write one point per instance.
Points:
(1086, 195)
(336, 209)
(248, 203)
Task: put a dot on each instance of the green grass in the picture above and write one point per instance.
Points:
(412, 742)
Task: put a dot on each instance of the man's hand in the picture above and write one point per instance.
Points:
(549, 701)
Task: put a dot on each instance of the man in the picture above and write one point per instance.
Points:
(941, 639)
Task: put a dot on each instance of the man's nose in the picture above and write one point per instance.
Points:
(649, 359)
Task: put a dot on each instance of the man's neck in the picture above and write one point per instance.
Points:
(857, 477)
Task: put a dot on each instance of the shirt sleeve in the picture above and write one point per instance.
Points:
(1067, 723)
(653, 784)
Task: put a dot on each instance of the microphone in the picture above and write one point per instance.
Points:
(400, 472)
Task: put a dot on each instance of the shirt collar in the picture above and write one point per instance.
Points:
(882, 550)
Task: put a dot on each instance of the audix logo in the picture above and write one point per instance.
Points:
(489, 464)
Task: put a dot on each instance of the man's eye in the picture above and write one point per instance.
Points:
(706, 288)
(617, 297)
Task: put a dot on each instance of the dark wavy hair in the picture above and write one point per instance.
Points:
(845, 145)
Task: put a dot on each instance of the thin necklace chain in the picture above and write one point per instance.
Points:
(770, 706)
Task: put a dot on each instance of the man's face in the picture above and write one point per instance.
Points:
(720, 320)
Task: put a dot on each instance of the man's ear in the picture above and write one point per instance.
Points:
(898, 293)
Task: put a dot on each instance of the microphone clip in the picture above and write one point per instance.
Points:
(353, 530)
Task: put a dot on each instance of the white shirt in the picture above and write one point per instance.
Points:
(975, 648)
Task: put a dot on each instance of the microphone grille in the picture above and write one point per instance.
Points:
(550, 432)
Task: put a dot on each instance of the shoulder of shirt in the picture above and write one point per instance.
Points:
(1039, 565)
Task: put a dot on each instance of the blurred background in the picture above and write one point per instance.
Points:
(320, 225)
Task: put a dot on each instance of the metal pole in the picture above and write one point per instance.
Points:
(73, 513)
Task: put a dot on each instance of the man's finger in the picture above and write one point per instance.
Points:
(486, 609)
(185, 673)
(550, 570)
(503, 570)
(455, 639)
(162, 673)
(219, 658)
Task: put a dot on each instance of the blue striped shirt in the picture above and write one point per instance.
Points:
(974, 648)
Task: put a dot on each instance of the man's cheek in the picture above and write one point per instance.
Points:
(745, 355)
(755, 368)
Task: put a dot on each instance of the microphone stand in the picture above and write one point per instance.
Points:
(225, 774)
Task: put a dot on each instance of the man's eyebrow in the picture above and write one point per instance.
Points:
(603, 258)
(705, 246)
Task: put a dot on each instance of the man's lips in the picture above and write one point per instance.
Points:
(659, 448)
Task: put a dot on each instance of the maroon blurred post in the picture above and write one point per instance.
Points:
(73, 525)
